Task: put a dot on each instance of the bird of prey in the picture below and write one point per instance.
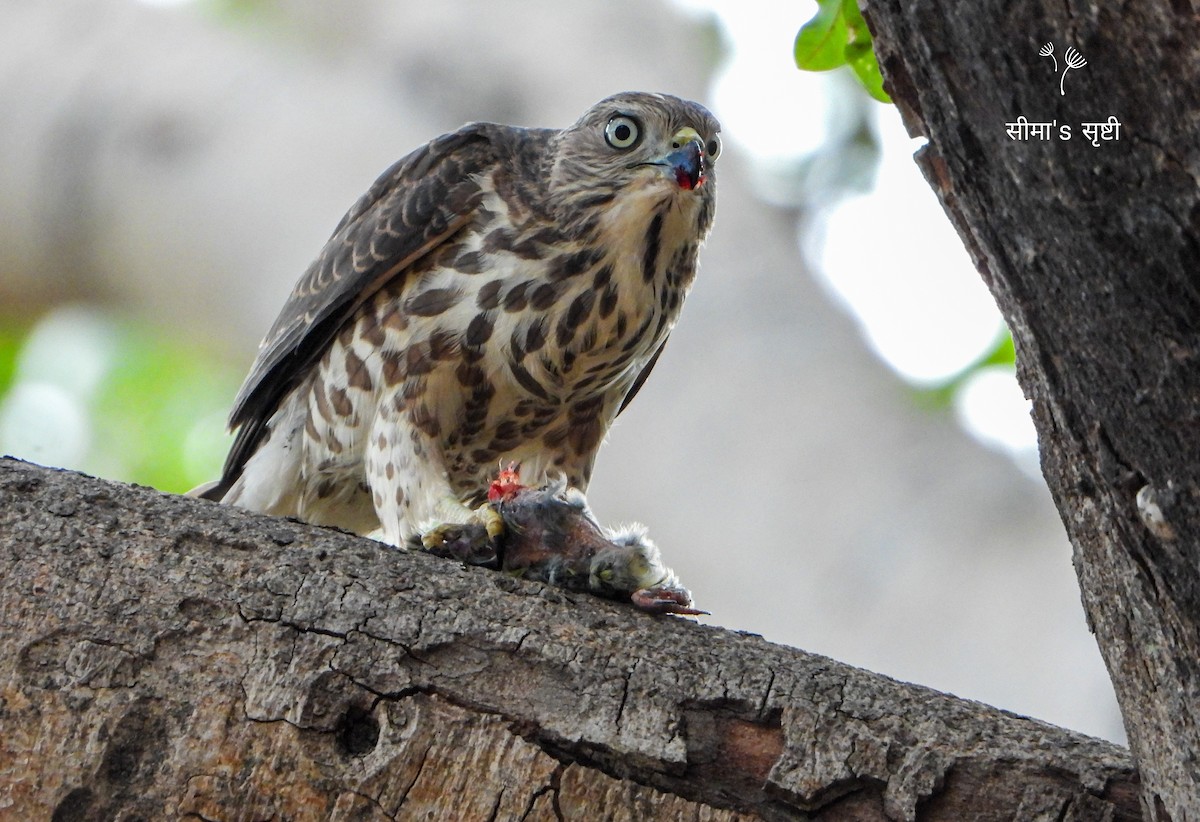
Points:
(498, 296)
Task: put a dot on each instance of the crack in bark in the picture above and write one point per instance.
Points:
(495, 813)
(626, 676)
(761, 711)
(374, 802)
(556, 793)
(551, 787)
(311, 629)
(416, 777)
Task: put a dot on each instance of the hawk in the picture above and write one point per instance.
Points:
(498, 296)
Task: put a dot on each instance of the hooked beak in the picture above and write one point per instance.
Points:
(688, 164)
(687, 160)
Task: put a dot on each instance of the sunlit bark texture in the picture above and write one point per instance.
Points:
(163, 657)
(1092, 249)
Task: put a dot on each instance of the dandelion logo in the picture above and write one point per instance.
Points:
(1048, 51)
(1073, 60)
(1071, 57)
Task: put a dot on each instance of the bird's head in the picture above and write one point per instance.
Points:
(643, 144)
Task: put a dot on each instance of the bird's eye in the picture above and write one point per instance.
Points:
(622, 132)
(713, 147)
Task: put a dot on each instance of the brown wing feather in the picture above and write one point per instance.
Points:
(410, 210)
(641, 378)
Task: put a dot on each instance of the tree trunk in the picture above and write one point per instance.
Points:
(163, 657)
(1092, 249)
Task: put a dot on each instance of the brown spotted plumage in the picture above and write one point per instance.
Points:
(498, 295)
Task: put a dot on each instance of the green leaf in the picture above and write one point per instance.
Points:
(861, 58)
(860, 53)
(821, 42)
(854, 18)
(1003, 353)
(839, 36)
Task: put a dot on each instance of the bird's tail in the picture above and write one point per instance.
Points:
(214, 491)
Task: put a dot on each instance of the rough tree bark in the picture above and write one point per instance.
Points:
(163, 657)
(1093, 253)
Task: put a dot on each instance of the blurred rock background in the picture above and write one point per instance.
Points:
(168, 171)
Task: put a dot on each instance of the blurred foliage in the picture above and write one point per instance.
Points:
(156, 416)
(241, 11)
(838, 36)
(10, 346)
(156, 409)
(942, 395)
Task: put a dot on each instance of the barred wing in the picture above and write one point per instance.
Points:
(414, 206)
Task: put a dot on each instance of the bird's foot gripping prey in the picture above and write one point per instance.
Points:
(551, 536)
(498, 295)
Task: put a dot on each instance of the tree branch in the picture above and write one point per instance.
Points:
(164, 656)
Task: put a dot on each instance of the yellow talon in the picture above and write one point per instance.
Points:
(454, 519)
(490, 519)
(433, 539)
